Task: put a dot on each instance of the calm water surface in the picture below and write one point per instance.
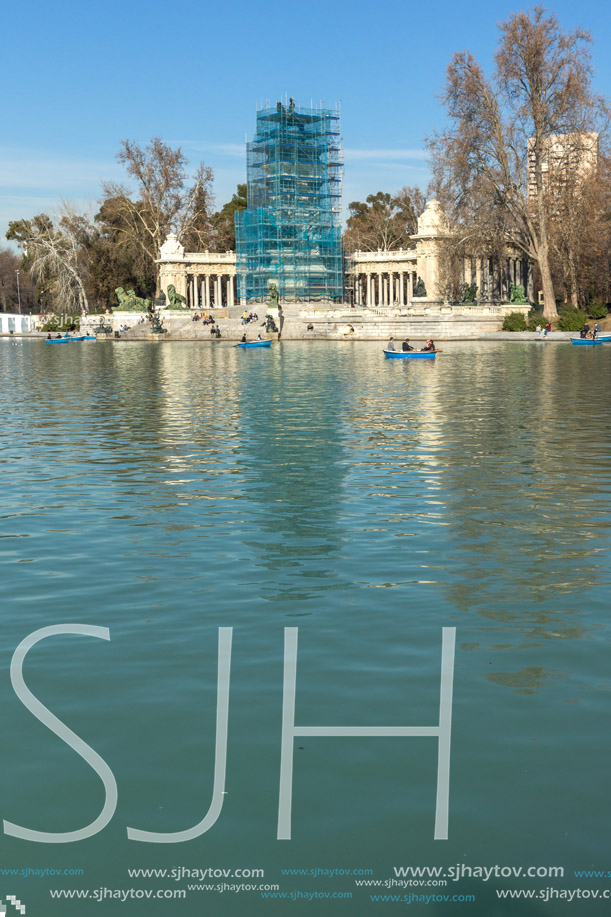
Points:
(163, 491)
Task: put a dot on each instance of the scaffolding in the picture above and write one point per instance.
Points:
(290, 233)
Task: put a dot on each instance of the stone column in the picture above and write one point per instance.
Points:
(230, 298)
(379, 296)
(369, 289)
(401, 288)
(530, 285)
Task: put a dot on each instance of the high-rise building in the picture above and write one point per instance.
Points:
(290, 233)
(566, 157)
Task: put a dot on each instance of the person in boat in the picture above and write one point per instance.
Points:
(49, 336)
(430, 345)
(259, 338)
(391, 344)
(406, 345)
(243, 341)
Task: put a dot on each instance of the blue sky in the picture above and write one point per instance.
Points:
(79, 77)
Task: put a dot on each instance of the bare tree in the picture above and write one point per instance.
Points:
(163, 201)
(494, 165)
(52, 248)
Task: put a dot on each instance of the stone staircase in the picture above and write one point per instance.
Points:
(339, 323)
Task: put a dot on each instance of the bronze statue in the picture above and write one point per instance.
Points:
(468, 292)
(175, 300)
(420, 289)
(517, 295)
(129, 302)
(273, 295)
(157, 324)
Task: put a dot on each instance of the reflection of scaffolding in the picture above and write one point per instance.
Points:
(290, 233)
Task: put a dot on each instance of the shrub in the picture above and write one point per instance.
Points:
(571, 320)
(534, 318)
(62, 323)
(515, 321)
(597, 310)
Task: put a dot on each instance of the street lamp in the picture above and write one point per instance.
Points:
(18, 292)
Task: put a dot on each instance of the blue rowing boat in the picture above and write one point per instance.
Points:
(256, 344)
(68, 340)
(587, 342)
(411, 354)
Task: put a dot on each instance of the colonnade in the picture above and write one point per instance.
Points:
(211, 291)
(384, 288)
(16, 323)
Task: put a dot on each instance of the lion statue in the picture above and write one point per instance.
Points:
(175, 300)
(129, 302)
